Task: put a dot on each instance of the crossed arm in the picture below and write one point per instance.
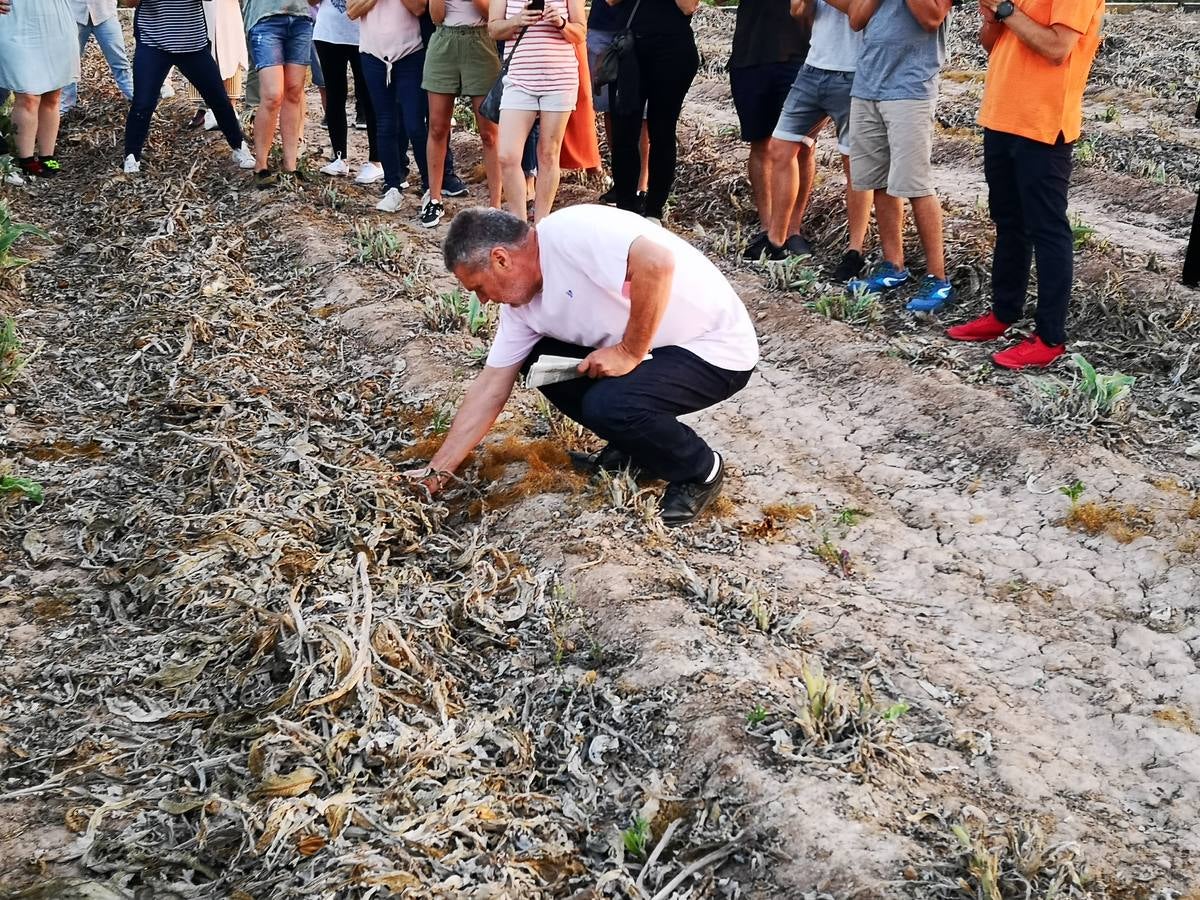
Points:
(929, 13)
(1053, 43)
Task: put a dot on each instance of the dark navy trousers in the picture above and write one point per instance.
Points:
(638, 413)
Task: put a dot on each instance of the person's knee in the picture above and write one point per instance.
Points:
(293, 91)
(610, 411)
(487, 137)
(510, 156)
(781, 152)
(439, 130)
(548, 155)
(27, 103)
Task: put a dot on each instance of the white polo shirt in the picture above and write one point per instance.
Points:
(584, 253)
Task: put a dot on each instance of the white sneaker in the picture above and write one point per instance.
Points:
(390, 202)
(210, 120)
(244, 157)
(14, 178)
(132, 166)
(370, 173)
(337, 167)
(167, 91)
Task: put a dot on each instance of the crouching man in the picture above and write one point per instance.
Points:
(658, 331)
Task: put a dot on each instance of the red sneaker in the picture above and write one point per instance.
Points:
(31, 166)
(985, 328)
(1032, 353)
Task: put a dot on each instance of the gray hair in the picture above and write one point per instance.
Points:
(475, 231)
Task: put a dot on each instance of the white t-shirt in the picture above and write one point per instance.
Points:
(834, 45)
(333, 25)
(585, 298)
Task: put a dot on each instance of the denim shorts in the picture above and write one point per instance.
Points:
(281, 40)
(815, 94)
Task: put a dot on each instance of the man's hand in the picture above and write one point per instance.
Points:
(987, 10)
(609, 362)
(688, 7)
(429, 479)
(5, 7)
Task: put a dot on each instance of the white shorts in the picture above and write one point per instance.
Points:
(517, 97)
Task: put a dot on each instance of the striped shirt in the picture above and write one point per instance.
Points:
(544, 61)
(175, 26)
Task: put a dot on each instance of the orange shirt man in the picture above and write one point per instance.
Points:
(1040, 54)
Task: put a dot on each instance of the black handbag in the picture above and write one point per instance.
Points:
(490, 107)
(618, 54)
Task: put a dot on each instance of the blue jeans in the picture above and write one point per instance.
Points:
(150, 68)
(111, 38)
(281, 41)
(400, 111)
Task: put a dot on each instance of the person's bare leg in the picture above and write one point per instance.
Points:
(441, 108)
(806, 171)
(488, 139)
(759, 169)
(47, 126)
(928, 214)
(785, 180)
(515, 125)
(25, 123)
(291, 116)
(270, 102)
(858, 211)
(889, 217)
(550, 138)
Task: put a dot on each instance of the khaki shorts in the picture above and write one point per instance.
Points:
(461, 61)
(891, 142)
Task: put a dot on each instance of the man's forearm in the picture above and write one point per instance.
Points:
(480, 407)
(860, 13)
(1053, 43)
(651, 271)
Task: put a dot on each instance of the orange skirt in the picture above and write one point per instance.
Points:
(580, 146)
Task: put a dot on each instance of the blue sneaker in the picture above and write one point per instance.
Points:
(883, 277)
(452, 186)
(932, 295)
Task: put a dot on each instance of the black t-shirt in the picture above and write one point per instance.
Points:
(657, 17)
(766, 32)
(602, 17)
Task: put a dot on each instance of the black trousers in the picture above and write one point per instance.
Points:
(334, 60)
(1027, 198)
(150, 68)
(637, 413)
(667, 63)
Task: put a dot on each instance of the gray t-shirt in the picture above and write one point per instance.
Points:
(333, 26)
(900, 60)
(253, 10)
(835, 46)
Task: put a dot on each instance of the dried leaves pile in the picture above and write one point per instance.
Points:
(284, 672)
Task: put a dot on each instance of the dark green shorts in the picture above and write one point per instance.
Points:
(461, 60)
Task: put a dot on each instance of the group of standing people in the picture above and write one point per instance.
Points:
(872, 66)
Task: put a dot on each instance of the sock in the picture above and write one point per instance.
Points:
(716, 467)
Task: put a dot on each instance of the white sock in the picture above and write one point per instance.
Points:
(716, 468)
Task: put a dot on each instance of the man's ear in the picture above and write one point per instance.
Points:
(500, 258)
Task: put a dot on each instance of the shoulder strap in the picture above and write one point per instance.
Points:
(513, 51)
(629, 22)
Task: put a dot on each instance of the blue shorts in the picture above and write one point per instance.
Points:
(815, 94)
(281, 40)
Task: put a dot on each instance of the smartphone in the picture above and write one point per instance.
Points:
(536, 5)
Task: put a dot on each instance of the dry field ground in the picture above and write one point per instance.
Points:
(240, 658)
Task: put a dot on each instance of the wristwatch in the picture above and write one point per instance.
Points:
(1004, 10)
